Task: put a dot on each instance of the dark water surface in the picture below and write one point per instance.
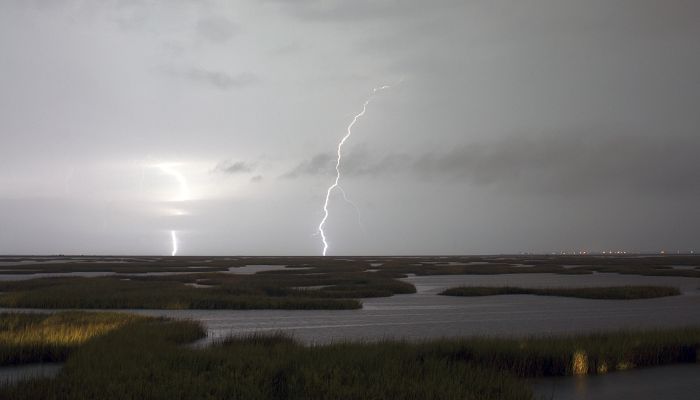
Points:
(10, 375)
(674, 382)
(427, 315)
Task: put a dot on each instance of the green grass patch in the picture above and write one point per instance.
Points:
(609, 293)
(26, 338)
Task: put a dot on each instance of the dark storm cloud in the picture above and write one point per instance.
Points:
(550, 164)
(317, 165)
(216, 29)
(217, 79)
(231, 167)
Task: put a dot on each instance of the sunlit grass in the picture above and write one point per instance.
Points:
(41, 337)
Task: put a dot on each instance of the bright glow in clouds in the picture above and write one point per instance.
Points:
(169, 168)
(337, 166)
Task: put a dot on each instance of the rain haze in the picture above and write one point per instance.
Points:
(509, 126)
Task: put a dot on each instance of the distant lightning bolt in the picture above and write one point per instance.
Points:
(337, 166)
(173, 237)
(182, 195)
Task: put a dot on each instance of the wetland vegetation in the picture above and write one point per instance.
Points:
(301, 283)
(147, 358)
(607, 293)
(202, 291)
(649, 265)
(28, 338)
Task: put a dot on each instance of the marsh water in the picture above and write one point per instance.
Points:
(10, 375)
(676, 382)
(428, 315)
(425, 314)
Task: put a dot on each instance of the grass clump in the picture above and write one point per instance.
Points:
(330, 290)
(580, 354)
(114, 293)
(609, 293)
(26, 338)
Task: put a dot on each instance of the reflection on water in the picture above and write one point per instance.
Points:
(9, 375)
(677, 382)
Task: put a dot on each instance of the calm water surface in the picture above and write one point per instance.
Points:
(10, 375)
(674, 382)
(427, 315)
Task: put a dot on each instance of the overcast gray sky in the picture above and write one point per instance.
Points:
(511, 125)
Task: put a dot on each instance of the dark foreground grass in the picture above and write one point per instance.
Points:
(609, 293)
(146, 359)
(26, 338)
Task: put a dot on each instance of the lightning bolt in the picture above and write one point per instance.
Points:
(339, 157)
(182, 195)
(173, 237)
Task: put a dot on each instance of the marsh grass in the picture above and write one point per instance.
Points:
(223, 291)
(609, 293)
(143, 360)
(581, 354)
(658, 265)
(26, 338)
(146, 359)
(113, 293)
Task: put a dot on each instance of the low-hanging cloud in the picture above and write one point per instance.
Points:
(231, 167)
(216, 79)
(319, 164)
(554, 164)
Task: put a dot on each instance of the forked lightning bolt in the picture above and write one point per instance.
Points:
(337, 165)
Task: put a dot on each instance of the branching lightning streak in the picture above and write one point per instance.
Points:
(337, 165)
(357, 209)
